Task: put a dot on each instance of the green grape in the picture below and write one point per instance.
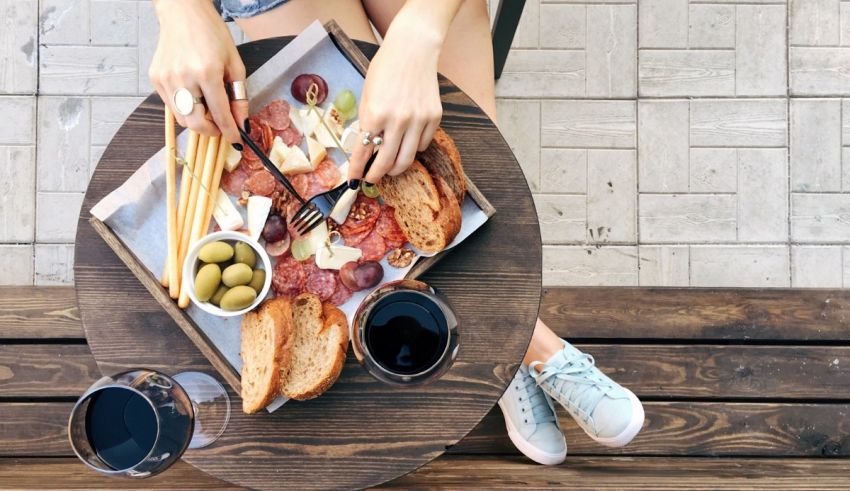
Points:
(348, 116)
(345, 101)
(370, 190)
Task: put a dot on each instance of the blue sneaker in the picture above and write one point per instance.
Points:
(531, 422)
(611, 414)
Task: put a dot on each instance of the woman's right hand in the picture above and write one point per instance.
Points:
(195, 51)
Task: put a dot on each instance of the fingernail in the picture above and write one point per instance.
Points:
(354, 184)
(237, 146)
(247, 125)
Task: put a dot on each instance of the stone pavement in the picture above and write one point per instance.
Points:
(668, 142)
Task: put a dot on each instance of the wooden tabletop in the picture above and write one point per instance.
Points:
(361, 432)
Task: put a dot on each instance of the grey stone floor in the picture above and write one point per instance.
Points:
(667, 142)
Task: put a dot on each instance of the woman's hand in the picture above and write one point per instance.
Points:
(401, 99)
(195, 51)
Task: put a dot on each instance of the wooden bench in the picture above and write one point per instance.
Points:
(742, 388)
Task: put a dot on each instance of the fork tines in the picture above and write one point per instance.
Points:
(307, 218)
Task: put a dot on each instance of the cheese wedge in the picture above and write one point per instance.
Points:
(226, 215)
(317, 151)
(335, 256)
(309, 120)
(258, 212)
(296, 162)
(278, 152)
(295, 118)
(329, 133)
(233, 158)
(343, 205)
(350, 137)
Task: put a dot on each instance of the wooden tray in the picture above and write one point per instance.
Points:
(186, 323)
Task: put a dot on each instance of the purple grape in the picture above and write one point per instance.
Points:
(275, 229)
(368, 274)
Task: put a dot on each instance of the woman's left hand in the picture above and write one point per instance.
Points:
(400, 102)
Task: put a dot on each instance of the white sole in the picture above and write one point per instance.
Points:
(527, 448)
(634, 427)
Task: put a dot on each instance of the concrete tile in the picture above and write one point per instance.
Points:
(148, 35)
(57, 215)
(846, 253)
(611, 51)
(673, 73)
(766, 266)
(17, 194)
(115, 23)
(845, 122)
(820, 218)
(686, 218)
(64, 22)
(16, 264)
(102, 70)
(17, 126)
(590, 266)
(845, 165)
(713, 170)
(663, 23)
(738, 123)
(107, 116)
(589, 124)
(563, 170)
(54, 264)
(664, 265)
(548, 73)
(845, 24)
(813, 22)
(711, 26)
(663, 146)
(760, 51)
(562, 26)
(762, 195)
(611, 196)
(820, 71)
(562, 217)
(18, 50)
(526, 35)
(816, 267)
(815, 145)
(63, 143)
(519, 123)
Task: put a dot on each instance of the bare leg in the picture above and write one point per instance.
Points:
(293, 16)
(544, 344)
(467, 55)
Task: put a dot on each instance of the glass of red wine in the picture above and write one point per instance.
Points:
(138, 423)
(405, 333)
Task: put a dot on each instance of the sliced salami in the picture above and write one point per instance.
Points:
(251, 165)
(301, 183)
(288, 277)
(233, 182)
(290, 136)
(268, 138)
(322, 282)
(327, 173)
(363, 215)
(373, 247)
(388, 228)
(353, 240)
(341, 294)
(257, 133)
(275, 114)
(262, 183)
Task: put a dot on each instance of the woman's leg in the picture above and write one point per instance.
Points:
(544, 344)
(294, 16)
(467, 55)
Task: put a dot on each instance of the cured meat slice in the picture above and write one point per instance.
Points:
(233, 182)
(327, 173)
(262, 183)
(268, 138)
(290, 136)
(301, 183)
(275, 114)
(251, 165)
(373, 246)
(322, 282)
(352, 240)
(341, 294)
(388, 228)
(363, 215)
(257, 133)
(288, 277)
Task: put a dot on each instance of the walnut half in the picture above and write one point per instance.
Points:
(401, 257)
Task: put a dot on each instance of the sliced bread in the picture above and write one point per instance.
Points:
(413, 190)
(320, 333)
(266, 352)
(442, 158)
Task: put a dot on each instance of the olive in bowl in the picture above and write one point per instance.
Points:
(226, 273)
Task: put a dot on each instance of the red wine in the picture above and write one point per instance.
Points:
(121, 427)
(406, 333)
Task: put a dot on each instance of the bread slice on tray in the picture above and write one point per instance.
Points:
(320, 333)
(266, 351)
(442, 158)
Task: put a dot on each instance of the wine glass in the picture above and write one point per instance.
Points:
(138, 423)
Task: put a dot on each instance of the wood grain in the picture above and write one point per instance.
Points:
(46, 370)
(698, 314)
(28, 312)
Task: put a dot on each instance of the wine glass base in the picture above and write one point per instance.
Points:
(210, 403)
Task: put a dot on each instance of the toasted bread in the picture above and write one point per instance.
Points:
(442, 158)
(320, 333)
(266, 351)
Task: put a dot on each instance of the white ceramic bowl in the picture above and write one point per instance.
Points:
(190, 268)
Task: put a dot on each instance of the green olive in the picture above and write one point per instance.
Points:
(216, 298)
(238, 297)
(258, 280)
(245, 254)
(207, 281)
(215, 252)
(237, 274)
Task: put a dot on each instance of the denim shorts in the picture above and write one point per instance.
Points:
(234, 9)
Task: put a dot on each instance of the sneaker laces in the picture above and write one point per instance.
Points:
(577, 379)
(539, 404)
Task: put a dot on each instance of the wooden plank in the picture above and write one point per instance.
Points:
(697, 313)
(594, 473)
(46, 370)
(39, 312)
(34, 429)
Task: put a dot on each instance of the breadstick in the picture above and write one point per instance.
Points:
(219, 168)
(197, 171)
(171, 202)
(185, 185)
(198, 225)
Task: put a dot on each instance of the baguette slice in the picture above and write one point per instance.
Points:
(320, 333)
(266, 351)
(442, 158)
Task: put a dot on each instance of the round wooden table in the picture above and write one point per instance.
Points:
(361, 432)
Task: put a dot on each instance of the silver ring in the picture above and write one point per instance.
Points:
(184, 101)
(367, 138)
(237, 90)
(377, 140)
